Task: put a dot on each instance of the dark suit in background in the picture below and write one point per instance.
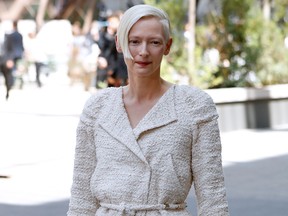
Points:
(12, 52)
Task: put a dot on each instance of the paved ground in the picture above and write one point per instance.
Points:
(37, 139)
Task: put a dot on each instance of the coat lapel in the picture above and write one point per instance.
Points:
(161, 114)
(115, 121)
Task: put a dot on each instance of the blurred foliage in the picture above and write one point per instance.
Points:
(251, 48)
(236, 48)
(227, 33)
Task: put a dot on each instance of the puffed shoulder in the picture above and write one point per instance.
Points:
(94, 104)
(196, 103)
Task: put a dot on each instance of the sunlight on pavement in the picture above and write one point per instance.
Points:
(250, 145)
(37, 142)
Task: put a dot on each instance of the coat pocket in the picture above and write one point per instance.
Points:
(171, 187)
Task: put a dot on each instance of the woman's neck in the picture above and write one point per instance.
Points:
(145, 89)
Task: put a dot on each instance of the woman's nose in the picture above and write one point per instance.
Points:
(143, 50)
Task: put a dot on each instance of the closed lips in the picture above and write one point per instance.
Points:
(142, 63)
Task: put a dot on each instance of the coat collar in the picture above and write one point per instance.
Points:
(116, 122)
(161, 114)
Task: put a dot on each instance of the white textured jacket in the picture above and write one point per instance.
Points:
(148, 170)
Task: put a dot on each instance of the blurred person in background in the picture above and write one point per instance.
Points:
(35, 55)
(142, 146)
(102, 11)
(75, 68)
(13, 50)
(115, 74)
(84, 56)
(2, 62)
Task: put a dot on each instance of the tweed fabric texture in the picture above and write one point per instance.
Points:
(176, 145)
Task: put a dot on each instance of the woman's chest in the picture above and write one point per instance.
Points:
(151, 146)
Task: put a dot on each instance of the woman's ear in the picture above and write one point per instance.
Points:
(168, 46)
(118, 48)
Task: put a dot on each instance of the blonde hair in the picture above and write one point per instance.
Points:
(131, 16)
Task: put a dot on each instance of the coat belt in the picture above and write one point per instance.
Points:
(123, 207)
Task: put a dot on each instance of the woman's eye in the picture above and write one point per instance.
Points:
(155, 43)
(133, 42)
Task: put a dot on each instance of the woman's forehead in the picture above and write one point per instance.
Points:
(146, 25)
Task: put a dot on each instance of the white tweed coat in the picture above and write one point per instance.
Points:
(120, 170)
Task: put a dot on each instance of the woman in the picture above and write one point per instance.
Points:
(140, 147)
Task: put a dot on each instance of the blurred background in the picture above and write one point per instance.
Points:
(55, 53)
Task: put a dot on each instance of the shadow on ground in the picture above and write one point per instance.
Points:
(47, 209)
(257, 188)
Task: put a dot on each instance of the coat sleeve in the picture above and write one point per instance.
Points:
(82, 201)
(206, 165)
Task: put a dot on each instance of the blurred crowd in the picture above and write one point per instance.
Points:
(91, 57)
(94, 56)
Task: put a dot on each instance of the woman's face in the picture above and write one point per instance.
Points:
(147, 45)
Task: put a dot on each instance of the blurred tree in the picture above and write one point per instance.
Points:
(13, 9)
(190, 31)
(266, 9)
(41, 10)
(250, 45)
(226, 33)
(272, 64)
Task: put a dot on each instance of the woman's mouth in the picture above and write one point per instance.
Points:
(142, 63)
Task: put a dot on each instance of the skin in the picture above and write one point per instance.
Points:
(147, 46)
